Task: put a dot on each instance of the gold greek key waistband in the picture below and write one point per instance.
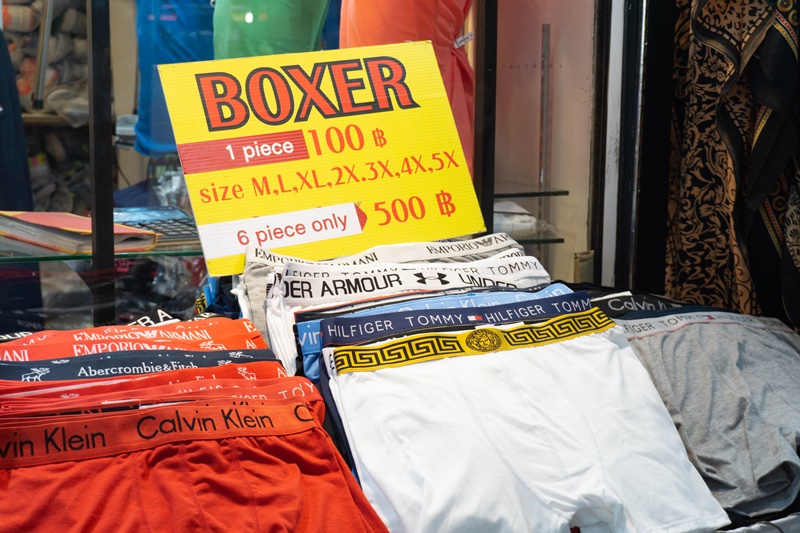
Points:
(432, 346)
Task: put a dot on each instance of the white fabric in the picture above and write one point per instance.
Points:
(259, 263)
(481, 443)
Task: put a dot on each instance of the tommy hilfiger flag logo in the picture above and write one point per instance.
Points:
(441, 278)
(475, 318)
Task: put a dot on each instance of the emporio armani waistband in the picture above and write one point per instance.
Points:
(468, 250)
(204, 335)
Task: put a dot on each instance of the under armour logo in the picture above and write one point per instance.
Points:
(441, 278)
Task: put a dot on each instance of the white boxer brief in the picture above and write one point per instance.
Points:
(524, 428)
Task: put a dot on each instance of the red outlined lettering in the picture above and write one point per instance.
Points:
(220, 94)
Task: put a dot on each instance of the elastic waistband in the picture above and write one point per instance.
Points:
(240, 389)
(432, 346)
(362, 329)
(197, 331)
(433, 250)
(482, 247)
(71, 368)
(264, 256)
(256, 369)
(459, 297)
(298, 291)
(674, 321)
(91, 436)
(515, 266)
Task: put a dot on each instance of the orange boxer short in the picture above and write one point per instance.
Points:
(212, 334)
(196, 466)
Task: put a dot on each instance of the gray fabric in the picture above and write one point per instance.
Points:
(731, 383)
(787, 524)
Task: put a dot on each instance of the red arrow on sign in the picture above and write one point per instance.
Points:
(362, 216)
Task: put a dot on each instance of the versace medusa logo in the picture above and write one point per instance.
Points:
(483, 340)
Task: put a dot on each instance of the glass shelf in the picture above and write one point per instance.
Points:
(542, 240)
(13, 251)
(531, 194)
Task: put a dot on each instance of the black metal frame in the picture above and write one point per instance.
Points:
(485, 106)
(485, 119)
(597, 171)
(101, 162)
(644, 145)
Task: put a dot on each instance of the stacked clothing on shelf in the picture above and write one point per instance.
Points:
(442, 386)
(552, 398)
(194, 426)
(440, 442)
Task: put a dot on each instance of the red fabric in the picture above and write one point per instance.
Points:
(113, 398)
(291, 478)
(59, 388)
(372, 22)
(209, 335)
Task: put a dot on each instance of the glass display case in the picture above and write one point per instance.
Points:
(522, 91)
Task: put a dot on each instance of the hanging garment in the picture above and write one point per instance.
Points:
(167, 32)
(20, 291)
(734, 220)
(769, 218)
(372, 22)
(14, 173)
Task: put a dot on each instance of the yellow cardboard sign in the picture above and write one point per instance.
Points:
(319, 154)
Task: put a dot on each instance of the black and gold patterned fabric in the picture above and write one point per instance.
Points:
(733, 213)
